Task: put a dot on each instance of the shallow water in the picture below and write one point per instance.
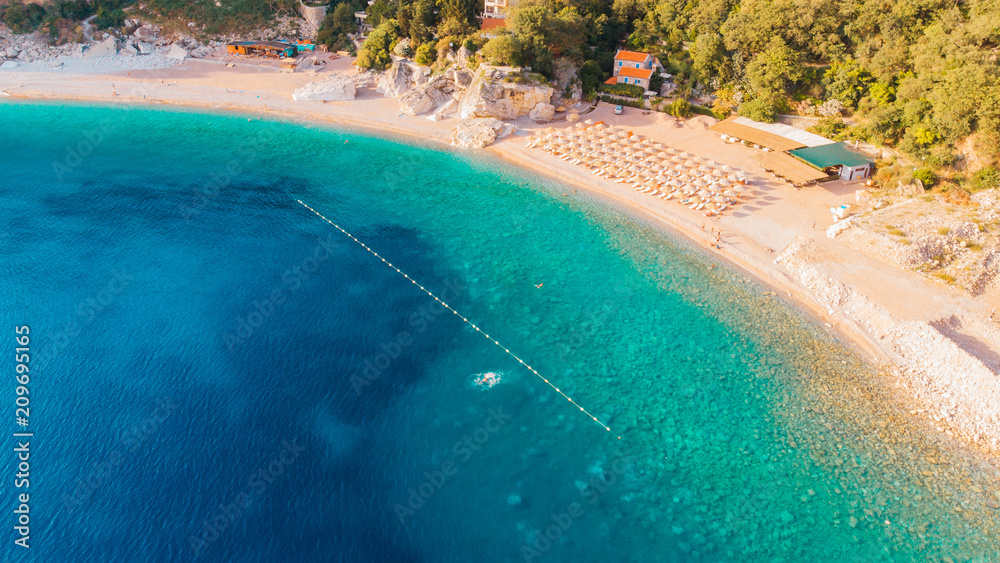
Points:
(216, 323)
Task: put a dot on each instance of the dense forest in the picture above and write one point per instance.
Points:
(921, 76)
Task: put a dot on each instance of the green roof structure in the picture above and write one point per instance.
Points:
(834, 154)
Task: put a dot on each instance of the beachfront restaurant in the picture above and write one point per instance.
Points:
(796, 156)
(839, 158)
(269, 49)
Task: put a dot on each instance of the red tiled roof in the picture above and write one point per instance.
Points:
(632, 56)
(635, 72)
(492, 23)
(612, 80)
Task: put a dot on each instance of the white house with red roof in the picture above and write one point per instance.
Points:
(632, 67)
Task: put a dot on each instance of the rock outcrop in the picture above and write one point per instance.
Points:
(336, 87)
(425, 97)
(400, 77)
(482, 100)
(177, 52)
(107, 47)
(542, 112)
(490, 96)
(476, 132)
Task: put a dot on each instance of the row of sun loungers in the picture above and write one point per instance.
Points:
(649, 167)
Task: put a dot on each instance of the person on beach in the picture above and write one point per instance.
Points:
(991, 314)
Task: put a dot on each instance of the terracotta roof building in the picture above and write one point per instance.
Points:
(632, 67)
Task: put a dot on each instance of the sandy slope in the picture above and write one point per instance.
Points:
(895, 317)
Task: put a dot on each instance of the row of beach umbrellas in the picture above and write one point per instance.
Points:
(649, 166)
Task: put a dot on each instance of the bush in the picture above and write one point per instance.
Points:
(702, 110)
(107, 19)
(623, 102)
(680, 108)
(426, 54)
(759, 109)
(21, 18)
(987, 178)
(656, 82)
(829, 127)
(628, 90)
(940, 157)
(590, 76)
(926, 176)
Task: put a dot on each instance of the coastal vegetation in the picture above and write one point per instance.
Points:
(920, 77)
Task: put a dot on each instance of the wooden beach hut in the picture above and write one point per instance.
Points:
(269, 49)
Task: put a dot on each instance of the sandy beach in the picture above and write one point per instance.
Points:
(892, 316)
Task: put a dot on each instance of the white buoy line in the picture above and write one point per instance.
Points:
(459, 315)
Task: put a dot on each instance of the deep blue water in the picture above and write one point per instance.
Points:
(219, 375)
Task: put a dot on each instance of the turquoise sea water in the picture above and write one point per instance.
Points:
(220, 375)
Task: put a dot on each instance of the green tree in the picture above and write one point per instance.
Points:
(374, 53)
(847, 81)
(335, 27)
(460, 12)
(424, 21)
(380, 11)
(709, 60)
(591, 76)
(773, 71)
(503, 50)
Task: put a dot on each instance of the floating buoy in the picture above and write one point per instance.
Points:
(457, 314)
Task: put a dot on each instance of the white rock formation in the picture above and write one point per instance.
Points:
(145, 48)
(476, 132)
(425, 97)
(177, 52)
(336, 87)
(144, 34)
(489, 96)
(542, 112)
(400, 77)
(107, 47)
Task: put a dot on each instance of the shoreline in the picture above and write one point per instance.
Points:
(755, 244)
